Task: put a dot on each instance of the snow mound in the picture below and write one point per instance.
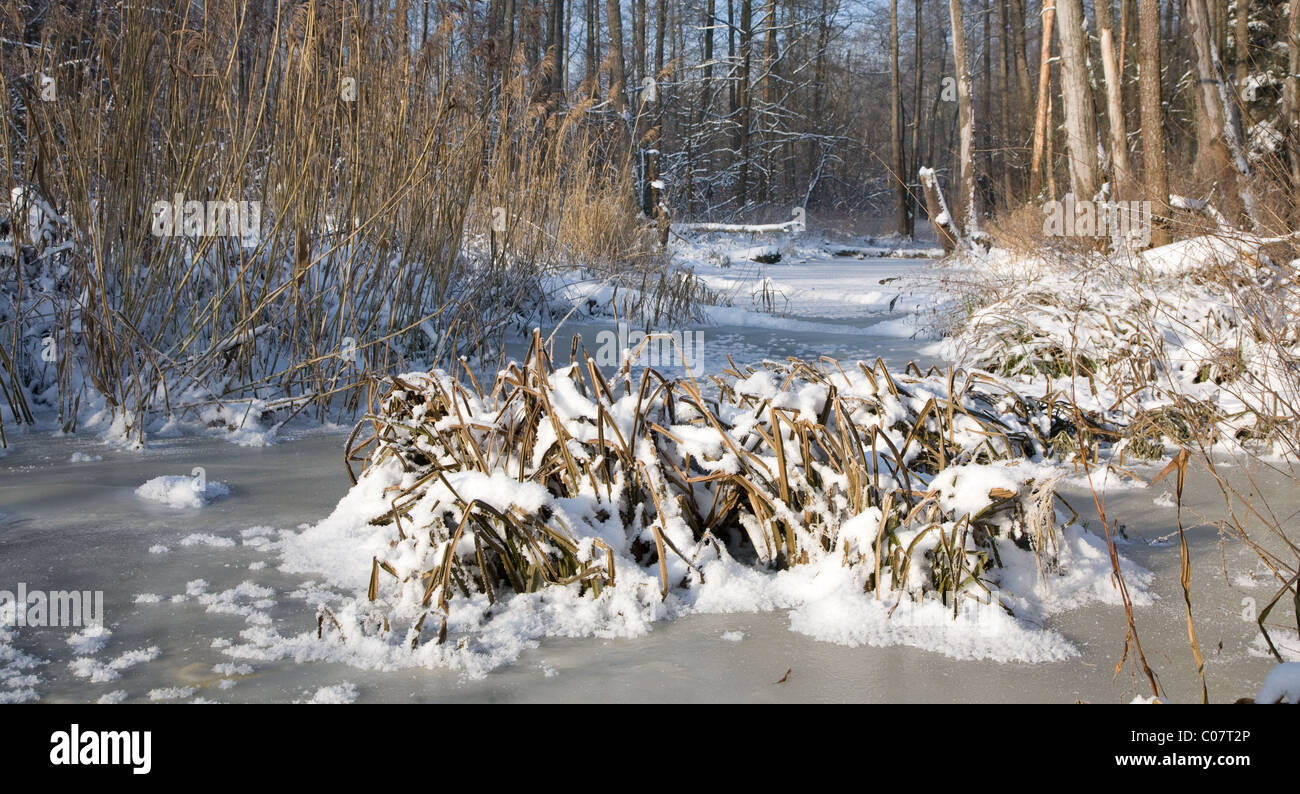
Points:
(181, 491)
(1283, 681)
(337, 694)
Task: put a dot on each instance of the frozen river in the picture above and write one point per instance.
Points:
(68, 525)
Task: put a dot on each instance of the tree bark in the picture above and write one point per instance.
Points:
(1121, 171)
(1219, 134)
(555, 55)
(917, 84)
(896, 124)
(1156, 174)
(743, 97)
(1005, 132)
(618, 73)
(1292, 119)
(966, 121)
(1036, 166)
(1076, 96)
(1243, 44)
(1024, 90)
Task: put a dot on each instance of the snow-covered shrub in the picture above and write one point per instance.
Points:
(560, 477)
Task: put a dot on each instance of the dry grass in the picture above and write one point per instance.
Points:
(1200, 363)
(378, 166)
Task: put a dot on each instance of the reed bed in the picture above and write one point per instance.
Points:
(410, 210)
(1172, 357)
(563, 476)
(1188, 351)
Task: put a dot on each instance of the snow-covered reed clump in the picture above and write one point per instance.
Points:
(883, 508)
(1192, 341)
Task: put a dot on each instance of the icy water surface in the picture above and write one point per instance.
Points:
(840, 307)
(79, 525)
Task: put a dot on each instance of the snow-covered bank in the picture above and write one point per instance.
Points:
(1189, 349)
(1193, 339)
(706, 282)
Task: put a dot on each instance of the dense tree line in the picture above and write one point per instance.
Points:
(736, 109)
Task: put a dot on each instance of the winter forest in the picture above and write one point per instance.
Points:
(774, 350)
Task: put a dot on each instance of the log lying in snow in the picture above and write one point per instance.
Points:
(885, 253)
(794, 225)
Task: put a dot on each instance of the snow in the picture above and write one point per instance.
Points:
(822, 600)
(100, 672)
(207, 539)
(18, 678)
(824, 596)
(1282, 682)
(969, 488)
(1286, 641)
(90, 640)
(336, 694)
(1198, 253)
(181, 491)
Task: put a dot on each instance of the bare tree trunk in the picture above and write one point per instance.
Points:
(1049, 167)
(984, 187)
(617, 71)
(769, 100)
(1292, 119)
(896, 124)
(1154, 166)
(638, 41)
(593, 47)
(1243, 44)
(1076, 96)
(966, 120)
(555, 55)
(945, 227)
(1219, 25)
(731, 56)
(917, 84)
(1005, 134)
(706, 96)
(1036, 166)
(1024, 90)
(743, 97)
(1222, 124)
(661, 25)
(1122, 173)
